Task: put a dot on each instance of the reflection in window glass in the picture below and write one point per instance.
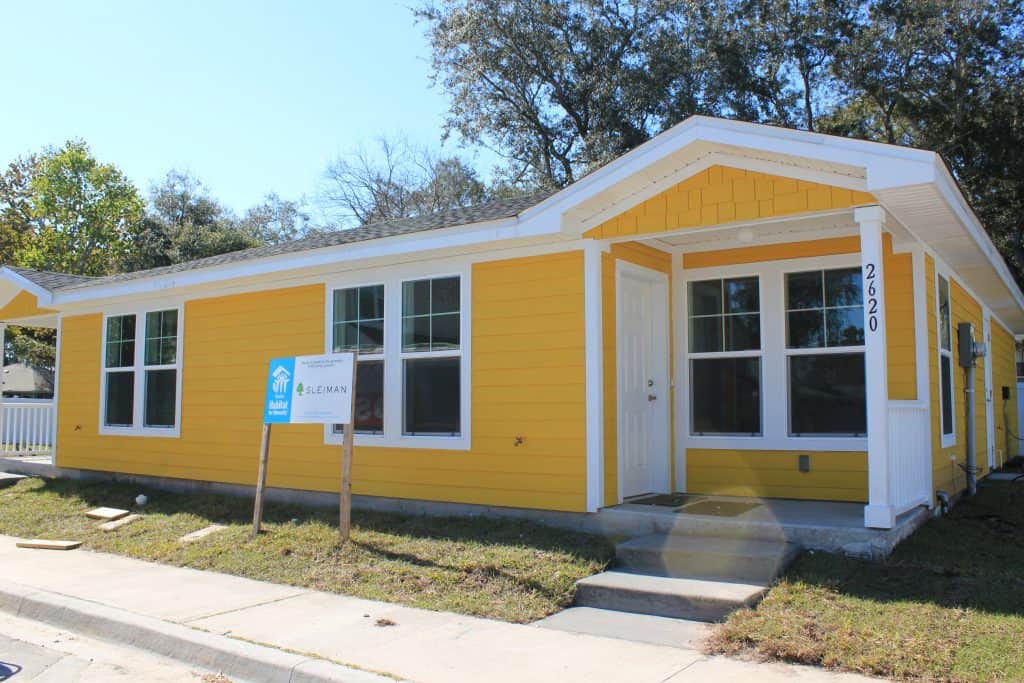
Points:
(824, 308)
(724, 315)
(827, 394)
(432, 396)
(726, 395)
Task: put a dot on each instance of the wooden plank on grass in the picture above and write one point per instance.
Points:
(43, 544)
(107, 514)
(118, 523)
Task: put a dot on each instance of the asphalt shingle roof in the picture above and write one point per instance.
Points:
(490, 211)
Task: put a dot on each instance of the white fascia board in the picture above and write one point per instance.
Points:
(43, 295)
(429, 240)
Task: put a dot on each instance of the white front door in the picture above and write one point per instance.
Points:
(643, 391)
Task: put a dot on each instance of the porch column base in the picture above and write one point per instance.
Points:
(879, 516)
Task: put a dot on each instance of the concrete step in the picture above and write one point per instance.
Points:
(664, 596)
(639, 628)
(695, 557)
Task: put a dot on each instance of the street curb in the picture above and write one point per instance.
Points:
(232, 657)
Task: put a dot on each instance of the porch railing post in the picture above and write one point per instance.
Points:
(880, 510)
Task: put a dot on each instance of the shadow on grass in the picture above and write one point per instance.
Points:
(971, 559)
(230, 510)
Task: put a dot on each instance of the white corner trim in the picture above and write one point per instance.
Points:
(594, 372)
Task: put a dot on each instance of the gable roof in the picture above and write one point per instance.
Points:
(481, 213)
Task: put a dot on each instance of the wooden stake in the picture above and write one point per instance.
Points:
(261, 481)
(345, 492)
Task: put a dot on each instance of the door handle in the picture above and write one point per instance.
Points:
(652, 397)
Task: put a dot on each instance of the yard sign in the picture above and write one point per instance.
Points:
(310, 389)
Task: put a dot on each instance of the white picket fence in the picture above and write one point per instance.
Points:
(910, 454)
(27, 425)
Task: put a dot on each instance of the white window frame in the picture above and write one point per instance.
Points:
(704, 355)
(139, 367)
(392, 278)
(946, 440)
(362, 357)
(774, 358)
(813, 351)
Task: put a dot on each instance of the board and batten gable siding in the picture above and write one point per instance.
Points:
(527, 373)
(648, 257)
(722, 194)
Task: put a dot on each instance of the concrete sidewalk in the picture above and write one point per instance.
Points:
(404, 642)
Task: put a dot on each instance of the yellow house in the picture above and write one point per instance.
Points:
(728, 309)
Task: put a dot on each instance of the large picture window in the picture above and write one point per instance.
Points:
(825, 353)
(141, 366)
(945, 359)
(411, 373)
(725, 356)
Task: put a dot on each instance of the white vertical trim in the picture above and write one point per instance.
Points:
(56, 390)
(923, 374)
(880, 511)
(594, 370)
(680, 395)
(990, 415)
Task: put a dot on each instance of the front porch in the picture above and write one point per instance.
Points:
(810, 524)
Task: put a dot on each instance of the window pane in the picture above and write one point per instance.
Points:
(346, 336)
(432, 396)
(369, 407)
(741, 295)
(945, 331)
(120, 351)
(444, 332)
(416, 334)
(371, 302)
(117, 404)
(845, 326)
(803, 290)
(161, 337)
(706, 334)
(805, 329)
(706, 297)
(160, 398)
(743, 332)
(826, 394)
(947, 394)
(346, 304)
(444, 296)
(843, 287)
(371, 336)
(416, 298)
(726, 395)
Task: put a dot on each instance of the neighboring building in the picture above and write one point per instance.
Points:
(21, 380)
(729, 308)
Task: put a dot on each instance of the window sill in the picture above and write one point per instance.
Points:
(947, 441)
(785, 443)
(152, 432)
(437, 443)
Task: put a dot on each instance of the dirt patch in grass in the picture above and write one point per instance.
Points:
(503, 569)
(948, 605)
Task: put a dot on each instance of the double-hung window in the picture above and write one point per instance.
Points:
(141, 372)
(358, 325)
(825, 353)
(411, 372)
(945, 361)
(725, 356)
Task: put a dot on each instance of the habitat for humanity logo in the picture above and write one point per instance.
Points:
(281, 379)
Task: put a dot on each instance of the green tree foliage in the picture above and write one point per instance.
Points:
(559, 87)
(82, 215)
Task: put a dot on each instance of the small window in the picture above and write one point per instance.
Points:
(824, 309)
(827, 395)
(725, 364)
(945, 358)
(141, 367)
(358, 325)
(431, 357)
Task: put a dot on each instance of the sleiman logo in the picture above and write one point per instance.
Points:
(281, 379)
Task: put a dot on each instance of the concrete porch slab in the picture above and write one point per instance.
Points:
(639, 628)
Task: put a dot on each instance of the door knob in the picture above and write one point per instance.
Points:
(652, 397)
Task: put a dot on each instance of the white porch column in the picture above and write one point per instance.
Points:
(880, 511)
(594, 371)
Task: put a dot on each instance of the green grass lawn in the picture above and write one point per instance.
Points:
(504, 569)
(948, 605)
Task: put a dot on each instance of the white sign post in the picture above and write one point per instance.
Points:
(311, 389)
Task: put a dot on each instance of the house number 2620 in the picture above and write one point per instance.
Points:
(870, 275)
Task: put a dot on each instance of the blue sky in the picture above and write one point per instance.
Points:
(252, 97)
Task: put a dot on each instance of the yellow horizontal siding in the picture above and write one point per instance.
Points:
(1004, 374)
(901, 356)
(832, 476)
(722, 194)
(527, 379)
